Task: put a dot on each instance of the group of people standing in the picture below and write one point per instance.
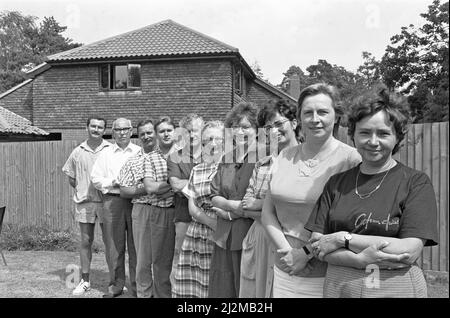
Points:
(200, 218)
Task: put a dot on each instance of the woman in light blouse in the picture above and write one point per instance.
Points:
(298, 175)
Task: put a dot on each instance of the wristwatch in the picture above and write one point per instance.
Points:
(347, 238)
(307, 252)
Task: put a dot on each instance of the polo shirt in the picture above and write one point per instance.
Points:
(79, 166)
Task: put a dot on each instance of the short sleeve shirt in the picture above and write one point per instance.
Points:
(259, 182)
(181, 167)
(199, 185)
(403, 206)
(79, 166)
(132, 175)
(155, 168)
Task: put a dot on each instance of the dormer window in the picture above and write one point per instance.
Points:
(120, 76)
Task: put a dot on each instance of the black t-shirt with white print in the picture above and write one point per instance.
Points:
(403, 206)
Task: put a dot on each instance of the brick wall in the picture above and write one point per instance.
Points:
(64, 96)
(20, 101)
(259, 95)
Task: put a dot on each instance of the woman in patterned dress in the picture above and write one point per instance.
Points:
(257, 260)
(192, 272)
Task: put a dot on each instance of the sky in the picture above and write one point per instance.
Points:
(273, 33)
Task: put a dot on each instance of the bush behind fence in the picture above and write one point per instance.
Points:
(36, 192)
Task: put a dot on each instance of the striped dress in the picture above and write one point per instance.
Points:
(191, 277)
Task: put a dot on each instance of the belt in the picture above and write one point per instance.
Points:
(113, 194)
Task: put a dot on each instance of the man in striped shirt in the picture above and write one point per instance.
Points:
(162, 211)
(131, 180)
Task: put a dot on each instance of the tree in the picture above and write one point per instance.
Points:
(23, 44)
(416, 63)
(347, 83)
(293, 69)
(369, 72)
(257, 69)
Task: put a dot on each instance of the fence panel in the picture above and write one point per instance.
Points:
(33, 187)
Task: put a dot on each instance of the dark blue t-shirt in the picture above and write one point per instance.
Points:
(403, 206)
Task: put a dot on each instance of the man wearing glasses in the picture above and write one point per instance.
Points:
(117, 210)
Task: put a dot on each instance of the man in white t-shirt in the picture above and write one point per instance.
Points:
(88, 200)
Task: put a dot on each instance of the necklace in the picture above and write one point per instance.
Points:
(367, 195)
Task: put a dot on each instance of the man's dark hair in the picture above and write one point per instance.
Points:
(88, 122)
(164, 119)
(143, 123)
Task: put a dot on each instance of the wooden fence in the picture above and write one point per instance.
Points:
(36, 192)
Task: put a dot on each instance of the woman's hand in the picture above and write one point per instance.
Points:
(327, 243)
(292, 260)
(374, 255)
(220, 213)
(248, 202)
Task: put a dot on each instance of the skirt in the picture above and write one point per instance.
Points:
(191, 279)
(257, 261)
(287, 286)
(347, 282)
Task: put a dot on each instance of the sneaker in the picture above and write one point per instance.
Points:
(82, 288)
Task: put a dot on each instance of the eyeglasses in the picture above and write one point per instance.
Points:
(278, 124)
(215, 139)
(122, 130)
(236, 128)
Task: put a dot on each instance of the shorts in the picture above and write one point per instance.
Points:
(89, 212)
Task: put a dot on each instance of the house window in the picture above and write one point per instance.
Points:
(238, 88)
(120, 76)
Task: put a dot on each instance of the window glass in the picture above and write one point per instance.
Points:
(104, 76)
(238, 79)
(134, 75)
(120, 76)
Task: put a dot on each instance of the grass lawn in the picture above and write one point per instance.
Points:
(43, 274)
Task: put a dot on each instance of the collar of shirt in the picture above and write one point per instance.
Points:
(128, 148)
(86, 147)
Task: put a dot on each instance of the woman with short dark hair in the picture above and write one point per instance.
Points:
(380, 213)
(227, 190)
(278, 118)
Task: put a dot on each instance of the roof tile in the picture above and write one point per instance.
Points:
(166, 38)
(13, 123)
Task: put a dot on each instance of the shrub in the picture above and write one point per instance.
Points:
(40, 238)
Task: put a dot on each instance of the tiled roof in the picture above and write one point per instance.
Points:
(13, 123)
(166, 38)
(274, 90)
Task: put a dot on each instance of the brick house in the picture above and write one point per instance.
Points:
(162, 69)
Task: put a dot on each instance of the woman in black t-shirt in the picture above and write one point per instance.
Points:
(371, 222)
